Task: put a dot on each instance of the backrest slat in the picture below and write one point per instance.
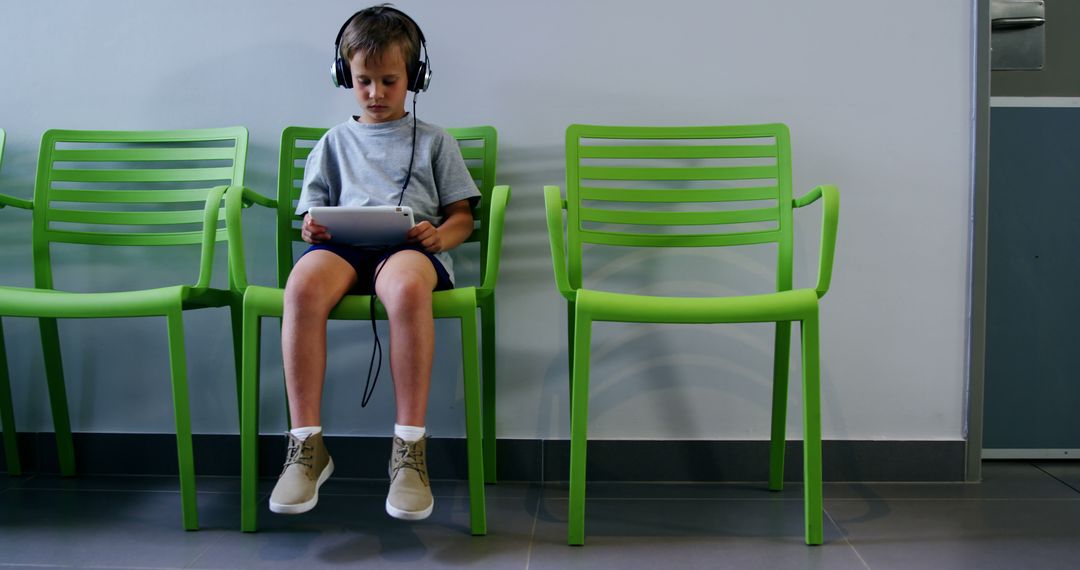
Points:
(677, 218)
(142, 175)
(702, 195)
(690, 173)
(132, 239)
(652, 240)
(130, 196)
(695, 151)
(142, 154)
(128, 218)
(678, 187)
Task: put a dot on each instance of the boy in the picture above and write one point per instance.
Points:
(381, 157)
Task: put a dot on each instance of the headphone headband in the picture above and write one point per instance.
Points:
(341, 32)
(341, 74)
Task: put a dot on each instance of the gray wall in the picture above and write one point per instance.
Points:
(877, 95)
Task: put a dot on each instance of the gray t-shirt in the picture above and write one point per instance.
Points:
(360, 164)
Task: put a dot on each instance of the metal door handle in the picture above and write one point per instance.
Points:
(1016, 23)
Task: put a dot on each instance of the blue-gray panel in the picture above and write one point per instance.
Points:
(1033, 280)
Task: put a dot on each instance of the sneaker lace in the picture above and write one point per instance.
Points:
(296, 454)
(408, 455)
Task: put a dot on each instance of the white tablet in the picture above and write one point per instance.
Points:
(365, 225)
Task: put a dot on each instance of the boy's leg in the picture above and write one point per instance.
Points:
(317, 282)
(404, 286)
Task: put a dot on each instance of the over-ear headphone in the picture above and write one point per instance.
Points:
(341, 74)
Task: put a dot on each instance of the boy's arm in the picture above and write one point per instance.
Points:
(455, 229)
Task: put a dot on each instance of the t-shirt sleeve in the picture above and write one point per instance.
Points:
(452, 178)
(318, 188)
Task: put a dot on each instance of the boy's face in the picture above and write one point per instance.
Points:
(380, 85)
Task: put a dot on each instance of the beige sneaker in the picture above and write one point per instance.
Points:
(410, 493)
(307, 467)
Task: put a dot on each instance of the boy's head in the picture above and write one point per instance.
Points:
(375, 32)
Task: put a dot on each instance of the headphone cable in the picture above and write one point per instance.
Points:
(376, 347)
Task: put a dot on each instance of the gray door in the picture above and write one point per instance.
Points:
(1032, 406)
(1032, 377)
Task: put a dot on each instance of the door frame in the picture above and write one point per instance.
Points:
(980, 167)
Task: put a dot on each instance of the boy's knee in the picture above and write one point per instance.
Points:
(306, 291)
(405, 293)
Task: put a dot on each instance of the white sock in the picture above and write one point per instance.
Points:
(409, 433)
(303, 433)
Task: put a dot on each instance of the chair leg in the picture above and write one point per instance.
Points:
(236, 317)
(571, 315)
(781, 358)
(487, 368)
(7, 414)
(474, 439)
(54, 377)
(249, 421)
(812, 430)
(579, 424)
(182, 413)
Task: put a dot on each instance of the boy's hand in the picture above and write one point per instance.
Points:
(427, 236)
(312, 232)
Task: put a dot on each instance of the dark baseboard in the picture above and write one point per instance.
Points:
(518, 459)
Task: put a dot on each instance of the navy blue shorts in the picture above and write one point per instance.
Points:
(365, 260)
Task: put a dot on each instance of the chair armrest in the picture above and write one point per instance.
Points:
(249, 197)
(830, 210)
(553, 207)
(500, 196)
(236, 199)
(6, 200)
(210, 231)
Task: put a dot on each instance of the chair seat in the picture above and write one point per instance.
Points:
(268, 301)
(50, 303)
(770, 307)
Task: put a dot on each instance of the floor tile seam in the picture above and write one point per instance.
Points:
(25, 565)
(206, 548)
(159, 491)
(684, 499)
(323, 492)
(31, 565)
(532, 532)
(1055, 477)
(836, 499)
(91, 490)
(955, 499)
(846, 540)
(13, 565)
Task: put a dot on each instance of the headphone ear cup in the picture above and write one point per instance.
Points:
(342, 73)
(420, 81)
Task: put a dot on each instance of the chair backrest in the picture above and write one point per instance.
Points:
(678, 187)
(131, 188)
(478, 147)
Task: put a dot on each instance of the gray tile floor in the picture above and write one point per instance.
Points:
(1024, 515)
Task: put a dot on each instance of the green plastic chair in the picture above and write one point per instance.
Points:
(7, 412)
(601, 197)
(127, 188)
(478, 147)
